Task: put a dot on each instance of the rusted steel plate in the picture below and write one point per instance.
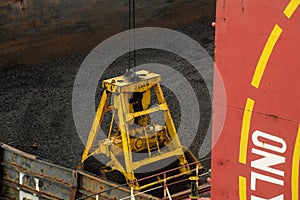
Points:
(24, 175)
(257, 154)
(35, 31)
(89, 185)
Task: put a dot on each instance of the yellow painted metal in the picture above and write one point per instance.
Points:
(124, 134)
(167, 114)
(146, 112)
(130, 97)
(96, 125)
(111, 125)
(152, 159)
(122, 84)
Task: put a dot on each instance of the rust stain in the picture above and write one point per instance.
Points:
(37, 31)
(22, 5)
(273, 116)
(80, 183)
(6, 3)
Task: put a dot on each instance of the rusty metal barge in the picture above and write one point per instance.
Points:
(25, 176)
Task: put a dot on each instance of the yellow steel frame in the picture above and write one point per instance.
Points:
(120, 89)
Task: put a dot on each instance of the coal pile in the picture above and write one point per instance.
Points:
(36, 100)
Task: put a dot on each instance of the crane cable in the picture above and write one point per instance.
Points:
(131, 26)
